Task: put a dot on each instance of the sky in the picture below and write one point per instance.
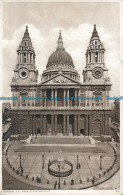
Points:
(76, 20)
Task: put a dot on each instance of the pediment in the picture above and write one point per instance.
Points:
(59, 79)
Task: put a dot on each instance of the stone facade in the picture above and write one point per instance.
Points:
(60, 79)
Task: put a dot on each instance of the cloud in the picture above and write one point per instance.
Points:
(75, 41)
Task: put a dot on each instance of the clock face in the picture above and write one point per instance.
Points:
(97, 73)
(23, 73)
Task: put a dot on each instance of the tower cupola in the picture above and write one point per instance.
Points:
(26, 53)
(95, 50)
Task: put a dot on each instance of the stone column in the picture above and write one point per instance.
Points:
(79, 101)
(41, 125)
(55, 124)
(52, 97)
(64, 98)
(32, 59)
(28, 57)
(34, 126)
(41, 100)
(67, 97)
(90, 125)
(18, 58)
(21, 58)
(109, 132)
(52, 124)
(86, 133)
(78, 125)
(55, 98)
(67, 124)
(45, 101)
(30, 125)
(64, 124)
(45, 125)
(76, 97)
(75, 125)
(98, 57)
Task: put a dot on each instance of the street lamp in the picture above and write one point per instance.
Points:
(43, 161)
(100, 162)
(20, 160)
(59, 174)
(77, 161)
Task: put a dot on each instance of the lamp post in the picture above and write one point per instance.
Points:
(20, 160)
(77, 161)
(59, 174)
(43, 161)
(100, 162)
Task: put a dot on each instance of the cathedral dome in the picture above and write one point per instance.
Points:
(60, 56)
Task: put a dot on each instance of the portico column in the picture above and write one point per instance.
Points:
(75, 125)
(41, 97)
(45, 125)
(90, 124)
(67, 97)
(55, 124)
(34, 127)
(79, 101)
(78, 125)
(64, 124)
(76, 97)
(45, 101)
(67, 124)
(41, 125)
(56, 97)
(86, 133)
(64, 98)
(52, 124)
(52, 97)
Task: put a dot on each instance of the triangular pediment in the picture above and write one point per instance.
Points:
(59, 79)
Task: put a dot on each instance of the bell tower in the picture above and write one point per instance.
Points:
(95, 70)
(25, 74)
(25, 71)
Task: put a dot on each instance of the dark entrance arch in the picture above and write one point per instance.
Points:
(38, 131)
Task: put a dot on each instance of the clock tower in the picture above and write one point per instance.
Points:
(25, 74)
(95, 70)
(25, 71)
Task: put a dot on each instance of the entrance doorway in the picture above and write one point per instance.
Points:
(60, 123)
(82, 131)
(38, 131)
